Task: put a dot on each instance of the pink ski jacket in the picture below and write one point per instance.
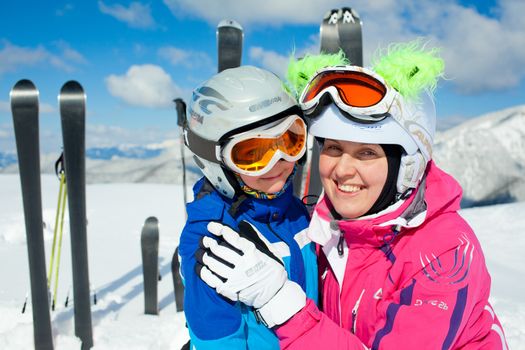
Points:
(411, 277)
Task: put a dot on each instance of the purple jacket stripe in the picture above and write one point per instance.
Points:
(457, 315)
(387, 249)
(405, 299)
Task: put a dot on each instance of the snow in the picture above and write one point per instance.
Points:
(116, 213)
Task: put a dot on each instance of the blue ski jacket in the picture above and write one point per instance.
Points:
(215, 322)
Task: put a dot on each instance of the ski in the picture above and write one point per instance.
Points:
(329, 44)
(72, 101)
(313, 186)
(229, 44)
(350, 36)
(178, 286)
(24, 107)
(329, 32)
(149, 242)
(340, 29)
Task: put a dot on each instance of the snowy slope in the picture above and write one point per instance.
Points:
(116, 213)
(487, 156)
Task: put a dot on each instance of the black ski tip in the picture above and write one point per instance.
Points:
(152, 220)
(23, 89)
(71, 87)
(150, 232)
(24, 84)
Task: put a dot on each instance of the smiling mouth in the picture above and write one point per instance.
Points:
(349, 188)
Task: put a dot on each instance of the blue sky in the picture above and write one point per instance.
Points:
(134, 57)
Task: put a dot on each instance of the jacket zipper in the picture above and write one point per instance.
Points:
(354, 311)
(340, 245)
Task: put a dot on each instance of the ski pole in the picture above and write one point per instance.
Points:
(66, 302)
(180, 106)
(62, 211)
(59, 171)
(25, 303)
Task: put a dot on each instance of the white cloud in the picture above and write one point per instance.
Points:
(482, 52)
(5, 106)
(4, 134)
(144, 85)
(7, 138)
(70, 54)
(136, 15)
(47, 108)
(64, 10)
(248, 12)
(185, 58)
(270, 60)
(12, 57)
(277, 62)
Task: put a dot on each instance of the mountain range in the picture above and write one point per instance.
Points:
(485, 154)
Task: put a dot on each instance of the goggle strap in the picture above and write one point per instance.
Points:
(202, 147)
(290, 111)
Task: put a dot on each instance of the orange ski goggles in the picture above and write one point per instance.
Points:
(255, 152)
(359, 92)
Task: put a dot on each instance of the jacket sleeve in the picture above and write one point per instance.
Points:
(213, 321)
(312, 329)
(444, 305)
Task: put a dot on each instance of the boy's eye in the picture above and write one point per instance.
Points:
(249, 152)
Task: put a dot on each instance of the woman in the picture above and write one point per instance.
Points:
(398, 266)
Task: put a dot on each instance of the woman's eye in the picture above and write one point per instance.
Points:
(368, 153)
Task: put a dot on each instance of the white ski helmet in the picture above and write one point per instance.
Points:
(411, 125)
(233, 101)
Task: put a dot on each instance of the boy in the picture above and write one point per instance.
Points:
(247, 134)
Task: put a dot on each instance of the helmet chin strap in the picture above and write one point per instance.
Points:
(411, 171)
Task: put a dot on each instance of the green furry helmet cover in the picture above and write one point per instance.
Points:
(409, 68)
(300, 71)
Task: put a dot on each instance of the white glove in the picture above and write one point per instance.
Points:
(240, 271)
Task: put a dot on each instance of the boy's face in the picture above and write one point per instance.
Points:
(273, 181)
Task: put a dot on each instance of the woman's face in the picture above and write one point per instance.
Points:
(273, 181)
(353, 175)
